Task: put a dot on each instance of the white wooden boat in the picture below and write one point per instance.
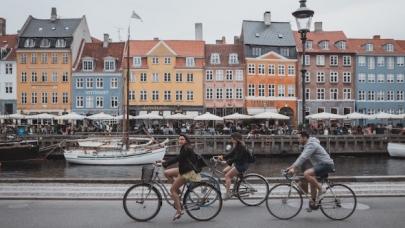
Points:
(396, 149)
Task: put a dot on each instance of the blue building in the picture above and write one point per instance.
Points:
(380, 70)
(97, 78)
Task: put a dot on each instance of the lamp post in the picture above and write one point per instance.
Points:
(303, 17)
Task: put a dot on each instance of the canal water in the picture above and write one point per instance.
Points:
(371, 165)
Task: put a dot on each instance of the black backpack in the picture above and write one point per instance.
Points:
(199, 163)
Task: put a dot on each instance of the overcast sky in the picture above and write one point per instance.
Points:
(174, 19)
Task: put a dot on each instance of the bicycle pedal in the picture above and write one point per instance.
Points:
(309, 210)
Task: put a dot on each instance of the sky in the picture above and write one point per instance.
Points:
(175, 19)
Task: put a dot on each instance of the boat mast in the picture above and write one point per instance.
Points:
(125, 118)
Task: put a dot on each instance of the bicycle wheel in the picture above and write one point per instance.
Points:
(142, 202)
(284, 201)
(339, 202)
(202, 201)
(252, 189)
(207, 177)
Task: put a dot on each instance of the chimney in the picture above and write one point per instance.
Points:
(2, 26)
(106, 40)
(53, 14)
(376, 37)
(236, 40)
(318, 26)
(198, 31)
(221, 41)
(267, 18)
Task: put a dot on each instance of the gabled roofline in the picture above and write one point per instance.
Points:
(164, 43)
(79, 57)
(29, 19)
(272, 53)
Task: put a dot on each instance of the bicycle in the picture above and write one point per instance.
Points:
(250, 188)
(143, 201)
(285, 200)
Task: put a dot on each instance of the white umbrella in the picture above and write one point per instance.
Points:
(325, 116)
(100, 116)
(178, 116)
(383, 115)
(270, 115)
(16, 116)
(357, 116)
(208, 116)
(149, 116)
(120, 117)
(237, 116)
(70, 116)
(42, 116)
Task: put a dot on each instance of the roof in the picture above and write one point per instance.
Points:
(316, 37)
(224, 50)
(192, 48)
(98, 53)
(48, 28)
(276, 34)
(378, 46)
(9, 44)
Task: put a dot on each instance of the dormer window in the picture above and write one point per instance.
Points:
(190, 62)
(29, 43)
(369, 47)
(109, 64)
(389, 48)
(88, 65)
(324, 45)
(308, 44)
(233, 58)
(45, 43)
(341, 45)
(215, 58)
(60, 43)
(137, 61)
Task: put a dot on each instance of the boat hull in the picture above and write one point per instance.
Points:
(396, 150)
(19, 151)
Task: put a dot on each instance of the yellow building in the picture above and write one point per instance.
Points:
(166, 76)
(47, 48)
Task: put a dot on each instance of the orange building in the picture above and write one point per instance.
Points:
(271, 85)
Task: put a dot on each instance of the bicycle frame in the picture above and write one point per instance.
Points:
(214, 173)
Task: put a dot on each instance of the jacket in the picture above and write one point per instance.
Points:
(185, 158)
(239, 155)
(313, 151)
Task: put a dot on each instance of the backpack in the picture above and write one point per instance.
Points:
(252, 157)
(200, 163)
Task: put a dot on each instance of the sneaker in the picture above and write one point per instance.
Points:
(226, 196)
(321, 194)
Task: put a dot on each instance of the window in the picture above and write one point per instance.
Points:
(400, 61)
(44, 98)
(143, 77)
(137, 61)
(167, 95)
(371, 95)
(88, 65)
(260, 69)
(54, 98)
(208, 75)
(44, 77)
(89, 102)
(251, 68)
(334, 77)
(132, 77)
(44, 58)
(89, 83)
(34, 58)
(347, 77)
(334, 110)
(109, 65)
(347, 60)
(65, 77)
(9, 87)
(168, 60)
(285, 52)
(45, 43)
(281, 90)
(219, 93)
(362, 61)
(390, 78)
(272, 69)
(167, 77)
(34, 98)
(390, 63)
(362, 77)
(380, 78)
(400, 95)
(179, 77)
(179, 95)
(291, 70)
(9, 68)
(362, 95)
(23, 58)
(324, 45)
(261, 90)
(190, 77)
(334, 60)
(114, 83)
(65, 58)
(215, 59)
(233, 58)
(320, 77)
(371, 63)
(131, 95)
(347, 94)
(23, 98)
(79, 83)
(371, 78)
(251, 90)
(155, 60)
(320, 60)
(99, 102)
(341, 45)
(54, 57)
(79, 102)
(320, 94)
(239, 93)
(371, 111)
(389, 47)
(256, 51)
(369, 47)
(380, 61)
(308, 44)
(65, 98)
(281, 70)
(190, 95)
(400, 78)
(334, 94)
(144, 95)
(390, 96)
(208, 93)
(239, 75)
(155, 77)
(229, 93)
(60, 43)
(99, 83)
(307, 60)
(307, 94)
(229, 75)
(307, 77)
(29, 43)
(23, 76)
(155, 95)
(380, 96)
(291, 90)
(190, 62)
(219, 75)
(34, 77)
(272, 90)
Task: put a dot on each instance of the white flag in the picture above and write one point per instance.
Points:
(136, 16)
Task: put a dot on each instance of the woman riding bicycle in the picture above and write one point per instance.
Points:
(185, 172)
(237, 160)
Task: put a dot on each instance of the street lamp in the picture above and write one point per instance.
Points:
(303, 17)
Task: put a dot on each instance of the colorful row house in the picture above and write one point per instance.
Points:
(46, 50)
(166, 76)
(8, 68)
(380, 70)
(224, 82)
(97, 78)
(329, 80)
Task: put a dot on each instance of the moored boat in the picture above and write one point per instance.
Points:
(396, 149)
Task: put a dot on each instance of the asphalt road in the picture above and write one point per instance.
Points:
(372, 212)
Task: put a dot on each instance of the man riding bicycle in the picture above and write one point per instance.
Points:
(320, 159)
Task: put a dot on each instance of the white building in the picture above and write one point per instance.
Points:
(8, 70)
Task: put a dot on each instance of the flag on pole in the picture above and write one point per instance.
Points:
(135, 15)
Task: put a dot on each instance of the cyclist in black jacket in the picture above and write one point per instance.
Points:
(237, 160)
